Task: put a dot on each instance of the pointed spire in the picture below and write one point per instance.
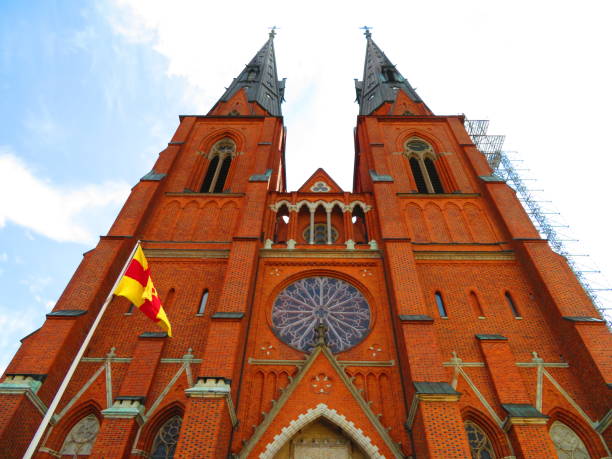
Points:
(259, 80)
(381, 80)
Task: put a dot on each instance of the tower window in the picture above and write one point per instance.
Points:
(512, 305)
(422, 165)
(203, 302)
(440, 305)
(418, 175)
(220, 161)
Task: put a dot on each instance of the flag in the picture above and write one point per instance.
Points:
(136, 285)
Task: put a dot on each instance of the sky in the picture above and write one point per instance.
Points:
(90, 93)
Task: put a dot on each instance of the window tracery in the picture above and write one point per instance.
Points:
(309, 302)
(480, 445)
(567, 443)
(166, 439)
(421, 158)
(81, 437)
(220, 157)
(320, 234)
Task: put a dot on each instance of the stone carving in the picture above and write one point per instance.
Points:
(321, 384)
(567, 443)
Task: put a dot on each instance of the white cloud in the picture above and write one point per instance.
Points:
(56, 212)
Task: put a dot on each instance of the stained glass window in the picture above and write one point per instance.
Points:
(166, 439)
(480, 445)
(320, 234)
(567, 443)
(81, 437)
(311, 301)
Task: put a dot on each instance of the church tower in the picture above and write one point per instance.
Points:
(420, 315)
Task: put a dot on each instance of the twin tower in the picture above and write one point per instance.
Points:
(420, 315)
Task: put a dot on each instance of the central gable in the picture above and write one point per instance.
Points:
(320, 182)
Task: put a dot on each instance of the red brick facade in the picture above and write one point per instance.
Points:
(406, 390)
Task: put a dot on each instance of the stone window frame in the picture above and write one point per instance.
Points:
(421, 156)
(82, 440)
(213, 172)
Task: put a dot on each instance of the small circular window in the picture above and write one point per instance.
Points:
(309, 302)
(417, 145)
(320, 234)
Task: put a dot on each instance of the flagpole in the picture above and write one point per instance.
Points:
(62, 388)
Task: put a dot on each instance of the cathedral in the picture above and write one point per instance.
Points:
(419, 315)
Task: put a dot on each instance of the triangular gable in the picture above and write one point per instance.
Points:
(335, 398)
(320, 182)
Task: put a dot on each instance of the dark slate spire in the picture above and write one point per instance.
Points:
(381, 80)
(260, 80)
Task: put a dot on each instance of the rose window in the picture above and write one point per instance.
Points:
(312, 301)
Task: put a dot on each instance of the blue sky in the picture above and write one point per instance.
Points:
(91, 91)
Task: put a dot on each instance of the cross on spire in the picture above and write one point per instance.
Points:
(367, 31)
(273, 31)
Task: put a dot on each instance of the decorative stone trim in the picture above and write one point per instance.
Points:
(583, 319)
(66, 313)
(153, 335)
(605, 422)
(126, 408)
(228, 315)
(491, 338)
(492, 178)
(186, 253)
(49, 451)
(415, 318)
(380, 177)
(321, 410)
(290, 252)
(25, 384)
(261, 177)
(152, 177)
(505, 255)
(214, 387)
(327, 205)
(343, 363)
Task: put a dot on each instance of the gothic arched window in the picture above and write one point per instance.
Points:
(421, 157)
(513, 308)
(567, 443)
(203, 302)
(320, 234)
(81, 437)
(440, 305)
(220, 158)
(480, 445)
(166, 439)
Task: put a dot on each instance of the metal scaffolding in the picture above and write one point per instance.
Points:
(544, 218)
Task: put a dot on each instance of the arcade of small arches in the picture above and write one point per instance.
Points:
(321, 222)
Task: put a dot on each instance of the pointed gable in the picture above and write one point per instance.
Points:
(320, 182)
(330, 394)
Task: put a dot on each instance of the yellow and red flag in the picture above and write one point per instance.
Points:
(136, 285)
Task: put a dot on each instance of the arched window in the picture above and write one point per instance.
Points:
(166, 439)
(81, 437)
(281, 225)
(203, 302)
(433, 176)
(567, 443)
(220, 157)
(320, 234)
(422, 165)
(360, 230)
(480, 445)
(475, 303)
(418, 175)
(513, 308)
(440, 305)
